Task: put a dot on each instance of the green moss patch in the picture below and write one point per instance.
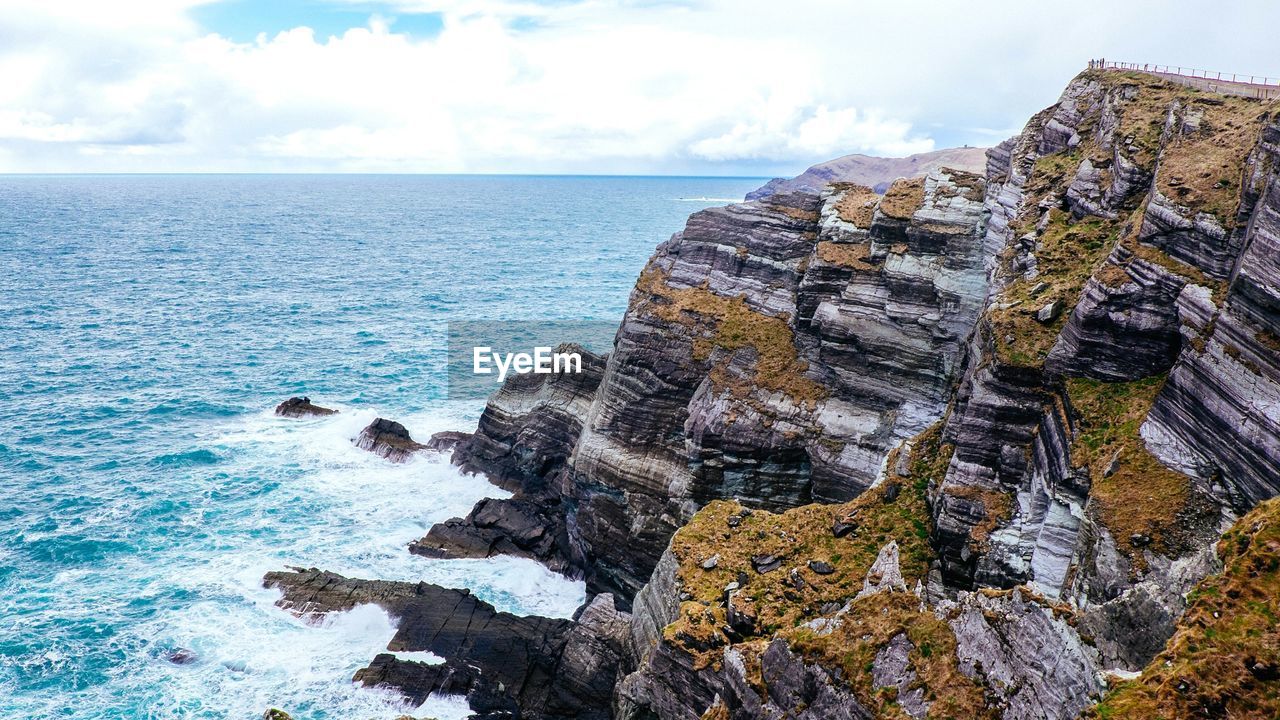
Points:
(1068, 254)
(816, 569)
(1142, 502)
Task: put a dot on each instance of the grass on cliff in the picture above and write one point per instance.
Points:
(857, 204)
(1224, 659)
(1142, 502)
(903, 198)
(1198, 164)
(1067, 255)
(851, 255)
(1201, 168)
(783, 600)
(734, 326)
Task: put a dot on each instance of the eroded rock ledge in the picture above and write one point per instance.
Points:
(508, 666)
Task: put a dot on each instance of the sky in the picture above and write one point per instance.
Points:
(684, 87)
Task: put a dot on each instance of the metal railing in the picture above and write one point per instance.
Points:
(1259, 86)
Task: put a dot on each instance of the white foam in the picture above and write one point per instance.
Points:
(322, 503)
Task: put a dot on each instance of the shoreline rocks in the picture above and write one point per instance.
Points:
(506, 665)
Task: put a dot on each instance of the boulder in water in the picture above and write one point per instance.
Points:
(389, 439)
(297, 407)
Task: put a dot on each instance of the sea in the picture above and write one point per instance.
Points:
(148, 326)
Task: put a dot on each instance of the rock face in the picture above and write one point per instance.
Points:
(1115, 409)
(389, 439)
(773, 352)
(963, 449)
(507, 666)
(297, 407)
(874, 172)
(523, 443)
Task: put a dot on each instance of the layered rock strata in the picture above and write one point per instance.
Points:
(772, 352)
(755, 469)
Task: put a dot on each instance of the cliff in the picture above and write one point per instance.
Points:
(965, 448)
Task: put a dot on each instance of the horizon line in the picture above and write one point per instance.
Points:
(381, 174)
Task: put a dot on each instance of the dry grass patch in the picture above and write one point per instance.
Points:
(1142, 502)
(1204, 170)
(857, 205)
(795, 213)
(850, 255)
(1224, 660)
(996, 508)
(869, 625)
(903, 198)
(782, 600)
(732, 325)
(895, 511)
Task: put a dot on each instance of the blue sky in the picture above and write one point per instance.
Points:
(719, 87)
(244, 20)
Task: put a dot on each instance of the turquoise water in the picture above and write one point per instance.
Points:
(149, 326)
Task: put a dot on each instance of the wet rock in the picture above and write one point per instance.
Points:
(447, 440)
(389, 439)
(522, 444)
(501, 662)
(274, 714)
(519, 526)
(297, 407)
(181, 656)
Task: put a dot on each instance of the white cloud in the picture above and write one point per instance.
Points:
(586, 86)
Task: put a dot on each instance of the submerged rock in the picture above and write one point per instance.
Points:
(297, 407)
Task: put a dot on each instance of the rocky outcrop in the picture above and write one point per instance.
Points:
(772, 352)
(1218, 417)
(529, 427)
(389, 439)
(298, 407)
(522, 526)
(523, 442)
(506, 665)
(447, 440)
